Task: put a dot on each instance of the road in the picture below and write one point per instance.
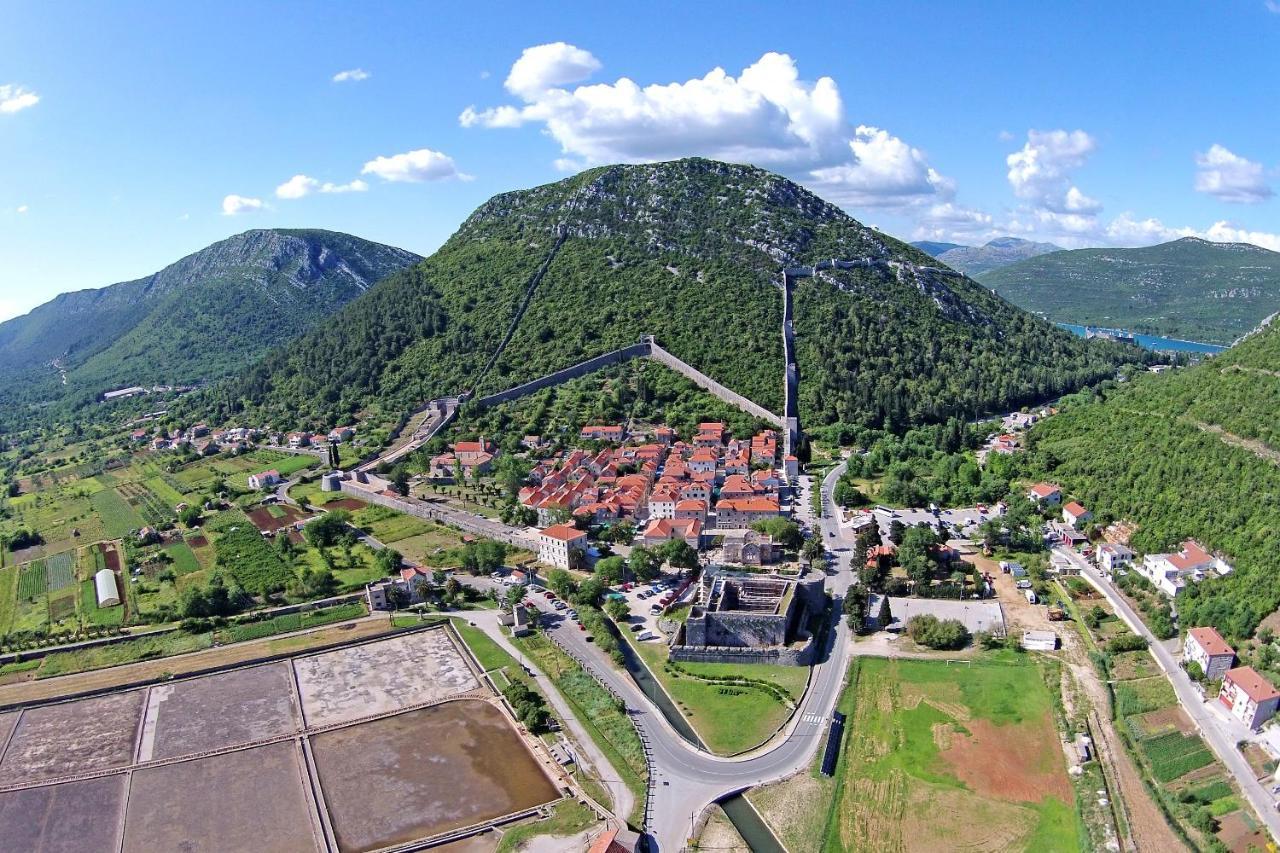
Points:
(686, 779)
(1222, 745)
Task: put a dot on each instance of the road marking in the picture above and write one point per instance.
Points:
(811, 719)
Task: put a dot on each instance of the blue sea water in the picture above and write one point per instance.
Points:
(1152, 342)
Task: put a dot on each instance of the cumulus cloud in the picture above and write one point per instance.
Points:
(351, 75)
(234, 205)
(22, 208)
(15, 98)
(547, 66)
(1040, 172)
(767, 115)
(300, 186)
(955, 223)
(414, 167)
(1229, 177)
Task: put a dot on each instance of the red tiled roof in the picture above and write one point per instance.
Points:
(563, 532)
(1043, 490)
(1075, 509)
(1211, 641)
(1254, 685)
(749, 504)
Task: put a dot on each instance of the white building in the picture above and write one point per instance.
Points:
(264, 480)
(104, 583)
(1251, 698)
(1112, 556)
(558, 542)
(1206, 647)
(1045, 493)
(1075, 515)
(1192, 564)
(1039, 641)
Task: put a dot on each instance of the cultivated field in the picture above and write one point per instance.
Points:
(942, 758)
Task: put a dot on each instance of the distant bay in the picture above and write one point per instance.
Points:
(1151, 342)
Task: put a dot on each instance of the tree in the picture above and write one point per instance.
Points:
(589, 592)
(452, 589)
(617, 609)
(611, 570)
(191, 516)
(644, 564)
(896, 531)
(935, 633)
(784, 532)
(388, 561)
(678, 554)
(622, 533)
(855, 602)
(885, 617)
(561, 583)
(1194, 670)
(813, 548)
(326, 529)
(400, 481)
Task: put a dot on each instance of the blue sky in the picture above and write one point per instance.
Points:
(134, 133)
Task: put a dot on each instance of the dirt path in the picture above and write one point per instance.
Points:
(49, 688)
(1260, 449)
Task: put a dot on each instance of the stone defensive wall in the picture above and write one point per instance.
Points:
(647, 348)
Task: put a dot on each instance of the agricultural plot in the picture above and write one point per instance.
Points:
(8, 596)
(948, 757)
(118, 517)
(92, 614)
(151, 507)
(251, 560)
(184, 559)
(59, 571)
(1175, 754)
(74, 817)
(31, 612)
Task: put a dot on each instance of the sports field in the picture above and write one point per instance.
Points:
(945, 757)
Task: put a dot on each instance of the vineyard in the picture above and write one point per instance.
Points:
(59, 571)
(146, 502)
(31, 581)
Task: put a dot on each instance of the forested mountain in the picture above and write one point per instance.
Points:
(206, 316)
(1188, 288)
(690, 251)
(1191, 453)
(1000, 252)
(936, 248)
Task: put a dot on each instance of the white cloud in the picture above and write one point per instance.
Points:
(297, 187)
(767, 115)
(22, 208)
(351, 75)
(547, 66)
(955, 223)
(1040, 172)
(15, 98)
(300, 186)
(234, 205)
(1229, 177)
(414, 167)
(884, 172)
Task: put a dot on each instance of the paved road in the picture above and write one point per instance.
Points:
(1222, 744)
(686, 779)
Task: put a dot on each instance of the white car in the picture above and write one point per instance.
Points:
(646, 635)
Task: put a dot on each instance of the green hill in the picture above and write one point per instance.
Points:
(202, 318)
(1194, 453)
(1189, 288)
(691, 252)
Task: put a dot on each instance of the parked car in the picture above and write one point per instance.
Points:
(646, 635)
(639, 626)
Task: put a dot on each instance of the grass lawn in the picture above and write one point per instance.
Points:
(608, 725)
(129, 651)
(730, 718)
(567, 817)
(91, 613)
(8, 596)
(184, 559)
(386, 525)
(487, 653)
(951, 757)
(283, 624)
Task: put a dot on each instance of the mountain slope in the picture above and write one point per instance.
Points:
(690, 251)
(934, 248)
(209, 314)
(1193, 453)
(1188, 288)
(1000, 252)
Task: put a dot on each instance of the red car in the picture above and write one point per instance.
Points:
(581, 627)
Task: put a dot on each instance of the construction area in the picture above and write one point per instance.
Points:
(371, 746)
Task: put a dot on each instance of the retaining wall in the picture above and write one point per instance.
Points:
(778, 656)
(463, 521)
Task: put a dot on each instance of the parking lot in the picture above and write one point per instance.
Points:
(641, 599)
(961, 523)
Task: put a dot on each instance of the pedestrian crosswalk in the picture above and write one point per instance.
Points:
(811, 719)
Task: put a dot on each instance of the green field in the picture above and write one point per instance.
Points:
(91, 613)
(184, 559)
(1175, 754)
(130, 651)
(951, 757)
(251, 560)
(8, 597)
(388, 526)
(60, 571)
(728, 717)
(118, 518)
(240, 632)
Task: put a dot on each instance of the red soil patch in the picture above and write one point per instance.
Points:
(1167, 718)
(200, 541)
(346, 503)
(265, 521)
(112, 558)
(1007, 762)
(1235, 833)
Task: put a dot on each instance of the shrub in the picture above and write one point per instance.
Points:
(935, 633)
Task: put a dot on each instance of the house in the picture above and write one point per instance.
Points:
(1206, 647)
(662, 504)
(1045, 494)
(703, 461)
(790, 467)
(295, 439)
(340, 434)
(1251, 698)
(664, 435)
(603, 432)
(691, 508)
(1075, 515)
(1039, 641)
(744, 512)
(709, 434)
(264, 479)
(764, 447)
(749, 548)
(557, 543)
(138, 435)
(662, 530)
(1191, 564)
(1111, 556)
